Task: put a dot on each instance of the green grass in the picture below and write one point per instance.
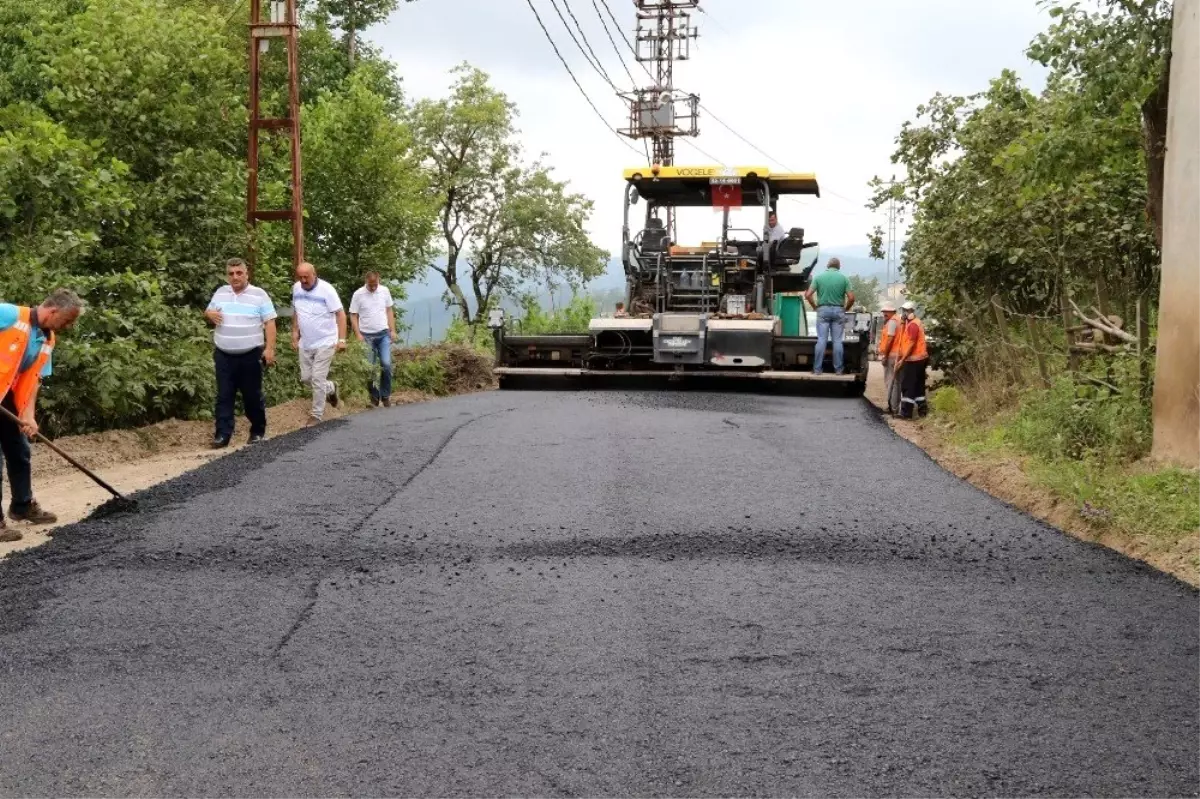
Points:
(1162, 505)
(1084, 450)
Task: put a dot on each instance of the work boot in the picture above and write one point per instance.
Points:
(387, 402)
(7, 535)
(220, 442)
(33, 513)
(256, 438)
(332, 396)
(312, 420)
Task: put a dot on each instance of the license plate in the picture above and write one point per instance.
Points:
(677, 342)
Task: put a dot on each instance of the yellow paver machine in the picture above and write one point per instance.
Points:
(731, 307)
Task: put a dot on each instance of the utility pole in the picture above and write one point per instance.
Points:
(661, 112)
(1177, 375)
(893, 263)
(281, 24)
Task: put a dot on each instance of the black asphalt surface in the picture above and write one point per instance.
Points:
(605, 593)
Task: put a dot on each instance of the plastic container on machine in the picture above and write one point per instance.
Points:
(789, 307)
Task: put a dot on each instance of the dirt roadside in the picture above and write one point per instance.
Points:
(131, 460)
(1007, 480)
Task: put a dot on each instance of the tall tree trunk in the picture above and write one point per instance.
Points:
(351, 40)
(1154, 134)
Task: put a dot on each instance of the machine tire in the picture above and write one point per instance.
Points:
(857, 388)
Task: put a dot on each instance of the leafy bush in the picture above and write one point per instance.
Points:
(425, 373)
(574, 317)
(947, 400)
(477, 337)
(133, 359)
(1061, 424)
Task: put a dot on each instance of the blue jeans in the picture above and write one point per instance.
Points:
(17, 457)
(379, 352)
(831, 323)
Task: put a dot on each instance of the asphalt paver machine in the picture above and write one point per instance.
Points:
(730, 307)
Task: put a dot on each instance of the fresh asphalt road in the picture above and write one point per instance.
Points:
(599, 593)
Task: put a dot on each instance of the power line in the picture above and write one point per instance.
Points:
(594, 64)
(575, 80)
(582, 35)
(702, 152)
(754, 146)
(713, 19)
(628, 43)
(613, 42)
(763, 152)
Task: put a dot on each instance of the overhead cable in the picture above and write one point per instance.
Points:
(575, 80)
(613, 42)
(594, 64)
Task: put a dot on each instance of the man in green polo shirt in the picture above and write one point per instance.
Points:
(830, 296)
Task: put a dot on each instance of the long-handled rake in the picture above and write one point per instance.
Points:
(119, 502)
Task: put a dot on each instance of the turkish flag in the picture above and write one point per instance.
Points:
(727, 196)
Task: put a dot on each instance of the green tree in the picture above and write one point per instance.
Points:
(352, 17)
(57, 194)
(1116, 55)
(866, 292)
(502, 223)
(368, 204)
(875, 243)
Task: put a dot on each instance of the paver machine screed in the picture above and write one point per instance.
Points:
(730, 307)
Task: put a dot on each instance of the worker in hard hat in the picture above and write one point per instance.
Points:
(912, 361)
(888, 349)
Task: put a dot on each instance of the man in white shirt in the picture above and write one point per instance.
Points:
(373, 318)
(775, 231)
(243, 339)
(318, 331)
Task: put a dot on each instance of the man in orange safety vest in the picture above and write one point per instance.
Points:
(911, 362)
(888, 349)
(26, 342)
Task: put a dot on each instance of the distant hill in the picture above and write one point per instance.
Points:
(429, 318)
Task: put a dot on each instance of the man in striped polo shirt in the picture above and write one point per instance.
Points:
(243, 339)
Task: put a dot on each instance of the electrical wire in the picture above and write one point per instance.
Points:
(714, 20)
(596, 66)
(582, 35)
(700, 150)
(613, 42)
(628, 43)
(575, 80)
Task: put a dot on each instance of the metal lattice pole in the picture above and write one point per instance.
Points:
(280, 24)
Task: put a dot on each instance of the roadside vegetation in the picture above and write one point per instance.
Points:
(1026, 210)
(123, 134)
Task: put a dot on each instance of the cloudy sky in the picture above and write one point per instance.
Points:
(822, 85)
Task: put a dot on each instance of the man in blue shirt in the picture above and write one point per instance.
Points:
(21, 370)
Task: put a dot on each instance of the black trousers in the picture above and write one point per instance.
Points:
(15, 447)
(912, 389)
(240, 373)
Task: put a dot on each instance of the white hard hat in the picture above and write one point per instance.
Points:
(888, 306)
(909, 306)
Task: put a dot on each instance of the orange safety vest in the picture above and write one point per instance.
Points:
(915, 347)
(888, 339)
(13, 343)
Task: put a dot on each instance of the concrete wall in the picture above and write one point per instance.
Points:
(1177, 377)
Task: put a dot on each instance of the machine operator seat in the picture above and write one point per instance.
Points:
(787, 250)
(654, 237)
